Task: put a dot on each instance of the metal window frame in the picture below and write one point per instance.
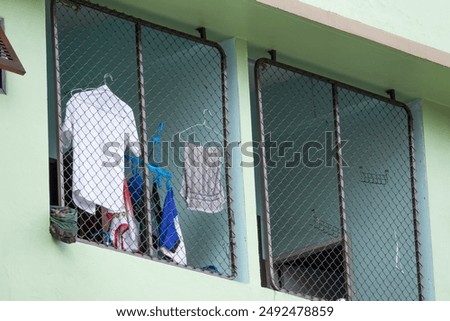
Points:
(223, 65)
(269, 267)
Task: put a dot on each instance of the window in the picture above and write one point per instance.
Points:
(141, 122)
(8, 58)
(340, 217)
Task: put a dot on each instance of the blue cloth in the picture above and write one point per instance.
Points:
(136, 186)
(136, 181)
(168, 236)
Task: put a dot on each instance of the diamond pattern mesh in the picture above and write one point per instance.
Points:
(142, 137)
(340, 222)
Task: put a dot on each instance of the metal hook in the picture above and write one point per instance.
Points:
(107, 75)
(202, 32)
(273, 54)
(391, 93)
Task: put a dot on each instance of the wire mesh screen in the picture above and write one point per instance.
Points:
(378, 198)
(340, 217)
(142, 137)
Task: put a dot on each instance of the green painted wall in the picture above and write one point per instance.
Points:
(420, 21)
(436, 120)
(23, 165)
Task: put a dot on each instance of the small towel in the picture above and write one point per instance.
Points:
(202, 187)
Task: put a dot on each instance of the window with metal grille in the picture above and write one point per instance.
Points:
(338, 189)
(141, 148)
(8, 58)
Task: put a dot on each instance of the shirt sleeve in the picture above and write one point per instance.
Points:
(67, 127)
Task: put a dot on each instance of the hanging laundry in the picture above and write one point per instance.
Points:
(202, 187)
(99, 126)
(171, 240)
(136, 180)
(123, 229)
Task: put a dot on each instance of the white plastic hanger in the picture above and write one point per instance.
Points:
(198, 127)
(106, 76)
(204, 124)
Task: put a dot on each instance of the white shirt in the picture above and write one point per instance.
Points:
(99, 126)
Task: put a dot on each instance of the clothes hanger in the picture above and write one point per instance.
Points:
(202, 125)
(198, 125)
(161, 172)
(156, 170)
(105, 77)
(72, 91)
